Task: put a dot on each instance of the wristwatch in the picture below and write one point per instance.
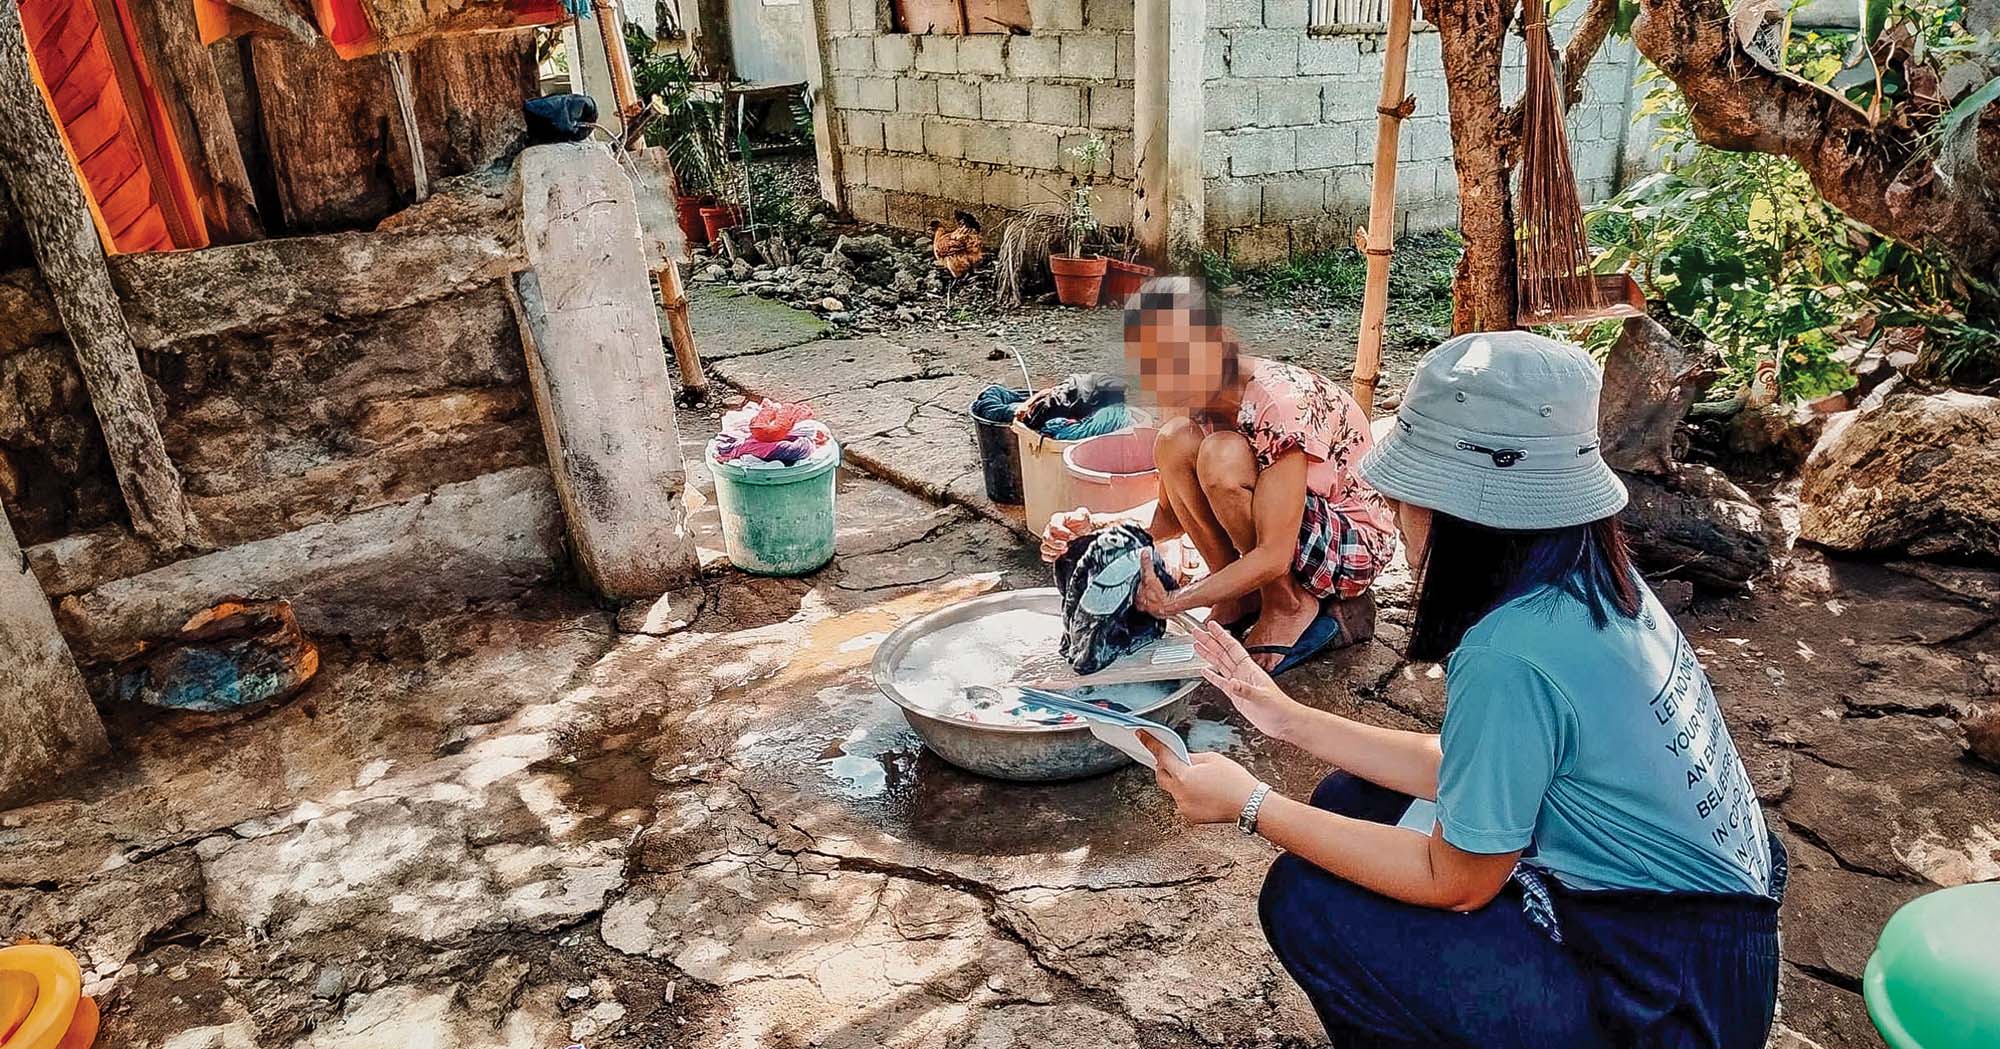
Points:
(1246, 821)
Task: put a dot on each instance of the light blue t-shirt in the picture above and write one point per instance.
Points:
(1603, 749)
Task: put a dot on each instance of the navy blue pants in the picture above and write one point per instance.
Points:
(1634, 968)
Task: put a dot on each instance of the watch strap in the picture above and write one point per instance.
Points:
(1246, 820)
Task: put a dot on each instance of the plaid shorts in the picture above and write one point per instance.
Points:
(1336, 558)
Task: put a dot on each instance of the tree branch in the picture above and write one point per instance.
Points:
(1584, 43)
(1881, 175)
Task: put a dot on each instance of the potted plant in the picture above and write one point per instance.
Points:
(1080, 277)
(1122, 276)
(686, 119)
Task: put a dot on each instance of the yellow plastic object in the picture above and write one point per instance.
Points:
(58, 987)
(17, 996)
(83, 1028)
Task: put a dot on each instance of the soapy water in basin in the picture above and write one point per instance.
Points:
(1004, 646)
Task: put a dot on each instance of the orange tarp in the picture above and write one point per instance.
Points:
(111, 119)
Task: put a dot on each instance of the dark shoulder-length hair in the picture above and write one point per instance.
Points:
(1470, 570)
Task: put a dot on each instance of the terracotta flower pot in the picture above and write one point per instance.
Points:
(1078, 280)
(1122, 280)
(687, 209)
(718, 217)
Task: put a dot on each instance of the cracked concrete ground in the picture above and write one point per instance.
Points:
(696, 822)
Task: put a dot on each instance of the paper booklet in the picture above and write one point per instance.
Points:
(1115, 727)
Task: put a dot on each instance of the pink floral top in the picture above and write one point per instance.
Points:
(1287, 407)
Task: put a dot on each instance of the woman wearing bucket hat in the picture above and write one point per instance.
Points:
(1258, 473)
(1578, 858)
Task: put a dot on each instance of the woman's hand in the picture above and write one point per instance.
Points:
(1248, 687)
(1212, 790)
(1151, 596)
(1065, 527)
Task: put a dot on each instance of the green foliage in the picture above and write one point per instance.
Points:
(687, 117)
(1081, 204)
(1420, 275)
(1743, 247)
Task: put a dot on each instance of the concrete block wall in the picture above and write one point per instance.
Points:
(931, 123)
(1289, 145)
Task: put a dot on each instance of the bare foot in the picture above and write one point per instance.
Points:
(1287, 611)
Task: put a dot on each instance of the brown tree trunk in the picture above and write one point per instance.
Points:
(1882, 176)
(1471, 34)
(35, 166)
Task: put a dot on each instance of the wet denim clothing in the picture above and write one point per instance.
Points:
(1097, 577)
(1661, 970)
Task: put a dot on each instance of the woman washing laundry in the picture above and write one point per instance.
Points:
(1258, 473)
(1595, 869)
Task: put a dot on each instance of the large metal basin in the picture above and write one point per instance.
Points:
(1030, 753)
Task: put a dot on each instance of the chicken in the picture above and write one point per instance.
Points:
(960, 247)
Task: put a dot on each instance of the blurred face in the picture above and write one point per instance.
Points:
(1177, 358)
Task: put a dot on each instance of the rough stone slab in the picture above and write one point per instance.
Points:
(1918, 473)
(602, 388)
(362, 574)
(177, 296)
(46, 717)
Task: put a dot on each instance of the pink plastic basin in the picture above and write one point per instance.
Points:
(1114, 472)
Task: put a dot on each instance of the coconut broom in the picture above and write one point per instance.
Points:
(1552, 266)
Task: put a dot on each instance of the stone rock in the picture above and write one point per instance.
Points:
(1698, 525)
(865, 248)
(490, 537)
(1918, 474)
(234, 655)
(832, 305)
(671, 613)
(46, 717)
(1650, 381)
(1982, 734)
(739, 269)
(1785, 434)
(605, 394)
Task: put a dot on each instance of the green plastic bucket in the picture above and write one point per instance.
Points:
(777, 521)
(1934, 979)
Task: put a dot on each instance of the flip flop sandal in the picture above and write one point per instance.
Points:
(1319, 634)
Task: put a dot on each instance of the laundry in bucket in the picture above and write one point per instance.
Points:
(1098, 576)
(769, 434)
(1084, 405)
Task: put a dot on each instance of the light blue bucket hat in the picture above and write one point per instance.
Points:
(1500, 429)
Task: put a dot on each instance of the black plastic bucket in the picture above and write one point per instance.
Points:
(999, 457)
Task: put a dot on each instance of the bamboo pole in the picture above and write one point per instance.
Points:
(673, 299)
(1378, 240)
(611, 28)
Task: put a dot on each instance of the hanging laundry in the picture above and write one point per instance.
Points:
(1098, 576)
